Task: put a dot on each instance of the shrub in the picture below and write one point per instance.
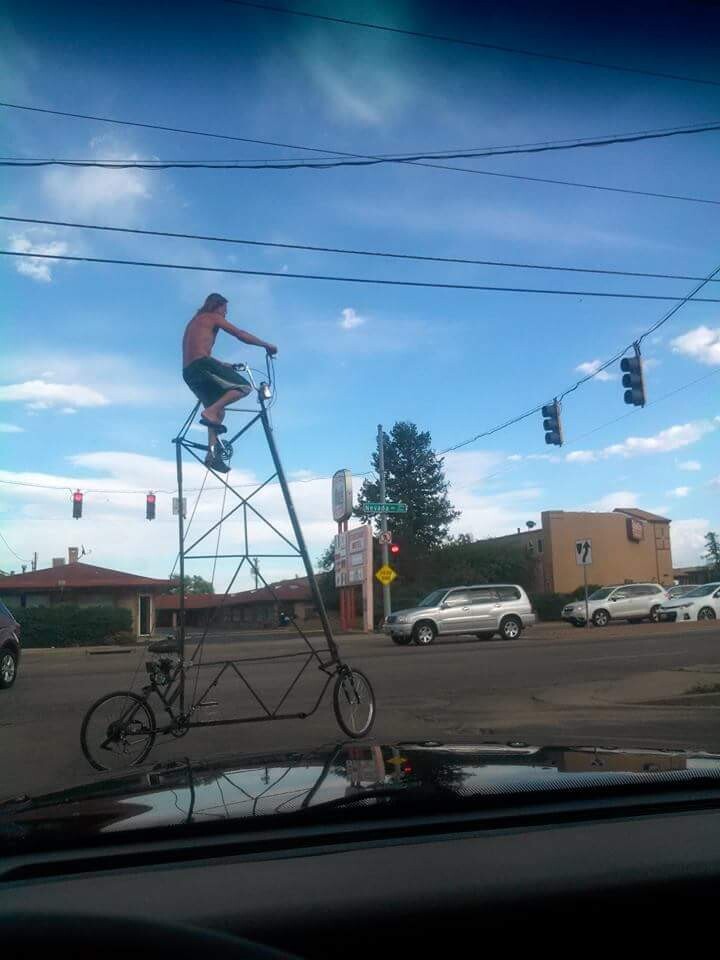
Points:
(67, 625)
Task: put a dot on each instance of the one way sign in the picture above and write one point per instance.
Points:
(583, 553)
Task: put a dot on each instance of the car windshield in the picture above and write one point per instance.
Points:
(317, 314)
(702, 591)
(602, 594)
(432, 599)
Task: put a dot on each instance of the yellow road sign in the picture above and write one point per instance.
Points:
(385, 574)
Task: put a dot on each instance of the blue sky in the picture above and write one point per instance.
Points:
(90, 388)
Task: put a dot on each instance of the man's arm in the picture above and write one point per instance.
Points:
(244, 336)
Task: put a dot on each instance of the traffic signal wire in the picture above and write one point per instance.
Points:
(16, 555)
(578, 383)
(286, 275)
(315, 248)
(468, 42)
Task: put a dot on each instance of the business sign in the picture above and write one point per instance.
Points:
(342, 495)
(583, 553)
(353, 557)
(635, 529)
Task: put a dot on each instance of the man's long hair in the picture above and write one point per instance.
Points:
(212, 303)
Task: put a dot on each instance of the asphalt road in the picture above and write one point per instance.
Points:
(552, 686)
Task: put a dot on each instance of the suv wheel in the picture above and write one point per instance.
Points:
(510, 628)
(601, 618)
(655, 613)
(707, 613)
(424, 633)
(8, 669)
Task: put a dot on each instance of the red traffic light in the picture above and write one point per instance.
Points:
(77, 498)
(150, 506)
(394, 548)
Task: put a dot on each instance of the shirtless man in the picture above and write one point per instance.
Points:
(214, 383)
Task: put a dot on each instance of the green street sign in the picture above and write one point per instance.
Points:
(384, 507)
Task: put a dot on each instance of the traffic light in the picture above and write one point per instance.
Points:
(552, 425)
(77, 498)
(150, 506)
(394, 549)
(633, 379)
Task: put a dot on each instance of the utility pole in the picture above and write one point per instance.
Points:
(387, 609)
(34, 562)
(256, 572)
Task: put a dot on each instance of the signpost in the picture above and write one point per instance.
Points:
(583, 558)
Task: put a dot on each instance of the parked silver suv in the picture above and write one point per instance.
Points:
(482, 610)
(629, 601)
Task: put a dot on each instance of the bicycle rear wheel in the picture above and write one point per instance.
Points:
(354, 703)
(118, 731)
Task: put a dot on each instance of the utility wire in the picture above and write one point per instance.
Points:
(358, 280)
(578, 383)
(361, 161)
(16, 555)
(340, 153)
(467, 42)
(352, 252)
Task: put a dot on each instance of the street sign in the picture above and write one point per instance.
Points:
(342, 495)
(583, 553)
(385, 537)
(176, 506)
(383, 507)
(385, 574)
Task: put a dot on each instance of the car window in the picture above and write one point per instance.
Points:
(602, 594)
(704, 590)
(509, 593)
(483, 595)
(457, 598)
(432, 599)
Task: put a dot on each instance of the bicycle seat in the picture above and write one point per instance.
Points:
(163, 646)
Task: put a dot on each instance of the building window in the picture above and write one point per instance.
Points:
(540, 545)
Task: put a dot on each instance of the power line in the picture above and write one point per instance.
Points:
(357, 161)
(359, 280)
(466, 42)
(16, 555)
(350, 251)
(603, 366)
(340, 153)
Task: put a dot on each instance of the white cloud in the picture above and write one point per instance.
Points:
(687, 539)
(621, 498)
(679, 492)
(92, 189)
(589, 367)
(350, 319)
(702, 344)
(36, 269)
(672, 438)
(39, 394)
(581, 456)
(547, 457)
(692, 465)
(11, 428)
(67, 410)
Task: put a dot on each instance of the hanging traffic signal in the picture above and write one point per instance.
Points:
(395, 549)
(552, 425)
(633, 379)
(150, 506)
(77, 505)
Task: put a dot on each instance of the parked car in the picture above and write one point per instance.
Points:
(680, 590)
(9, 648)
(701, 603)
(627, 601)
(481, 610)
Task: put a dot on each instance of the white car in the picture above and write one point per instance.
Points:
(702, 603)
(628, 601)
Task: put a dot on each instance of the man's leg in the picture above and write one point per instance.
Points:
(215, 413)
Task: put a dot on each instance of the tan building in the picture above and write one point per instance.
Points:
(628, 546)
(87, 585)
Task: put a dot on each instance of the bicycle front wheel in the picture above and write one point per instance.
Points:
(354, 703)
(118, 731)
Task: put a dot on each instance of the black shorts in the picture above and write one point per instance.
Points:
(209, 380)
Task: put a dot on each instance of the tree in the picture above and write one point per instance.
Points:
(712, 551)
(326, 560)
(194, 584)
(414, 475)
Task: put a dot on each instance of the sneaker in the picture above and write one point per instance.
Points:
(216, 464)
